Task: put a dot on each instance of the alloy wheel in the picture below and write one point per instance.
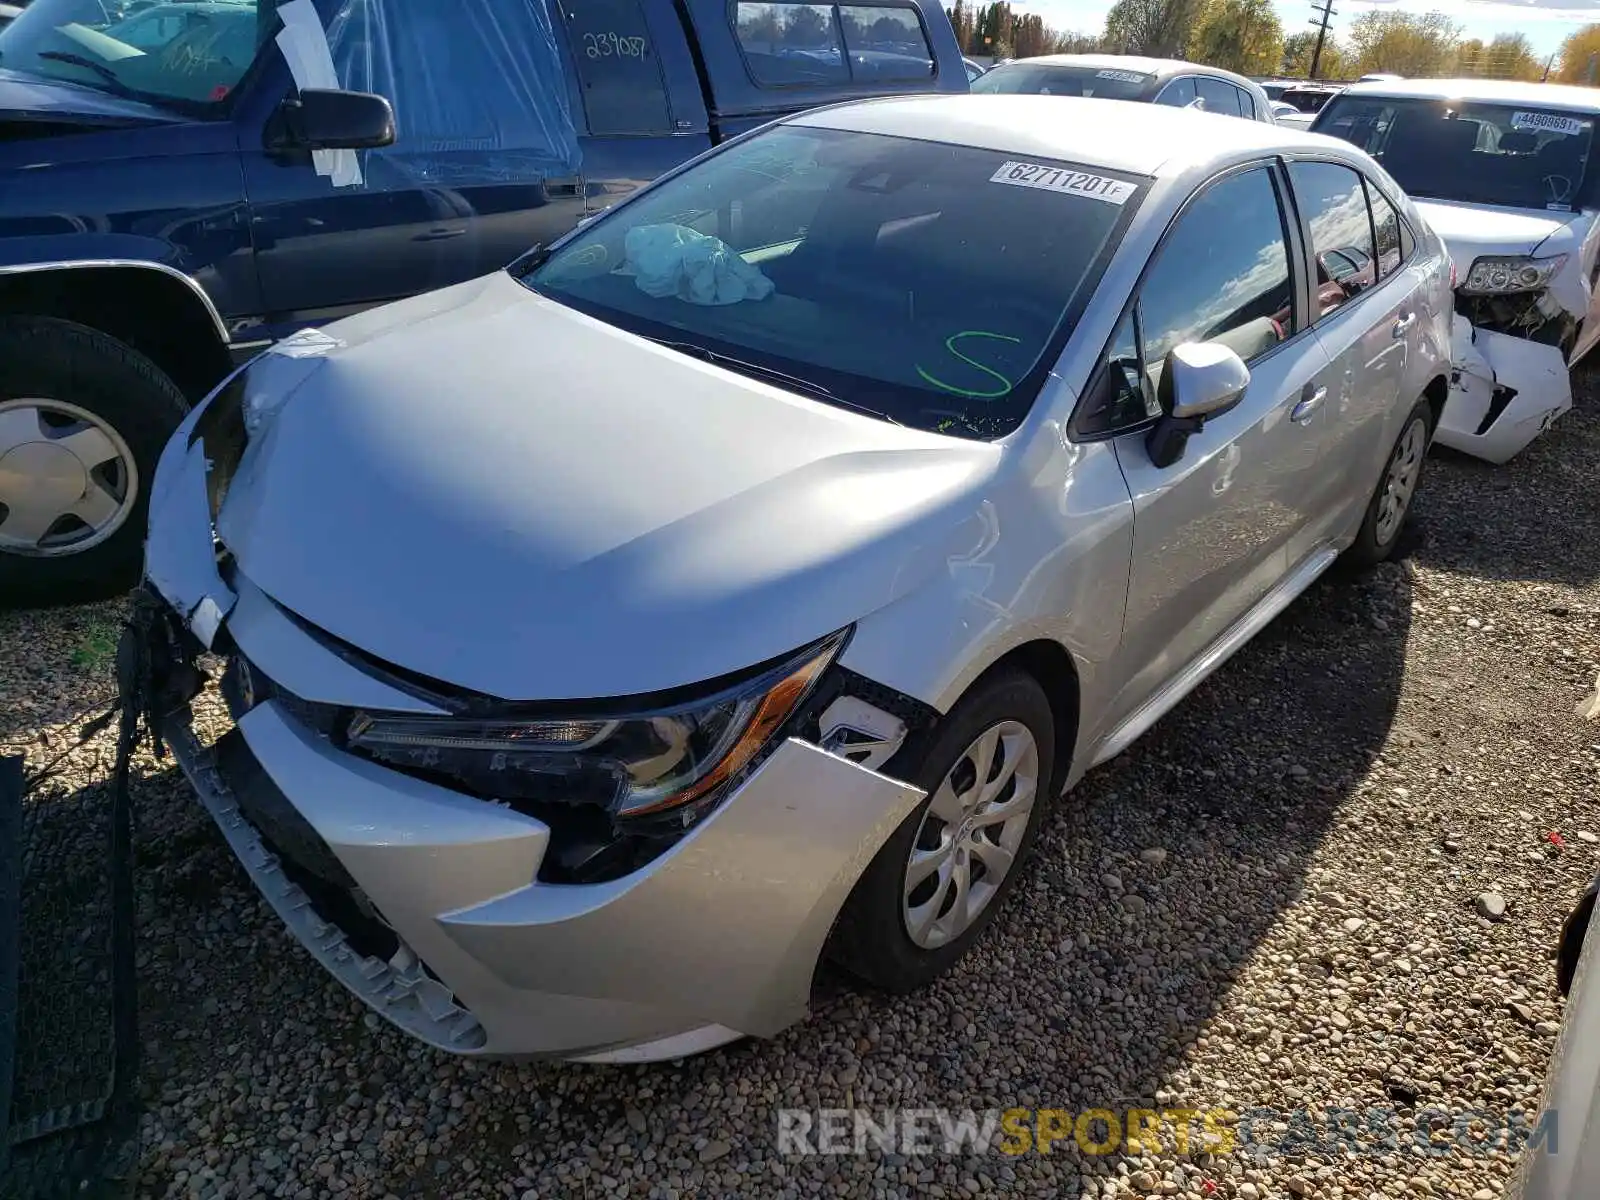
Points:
(1400, 480)
(971, 834)
(67, 479)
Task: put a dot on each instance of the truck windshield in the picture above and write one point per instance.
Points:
(1043, 79)
(928, 284)
(1504, 154)
(184, 53)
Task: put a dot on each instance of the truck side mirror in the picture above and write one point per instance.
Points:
(329, 119)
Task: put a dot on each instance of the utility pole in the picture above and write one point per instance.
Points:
(1549, 62)
(1325, 15)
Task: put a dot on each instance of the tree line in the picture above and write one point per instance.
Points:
(1246, 36)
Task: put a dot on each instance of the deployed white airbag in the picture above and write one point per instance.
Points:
(674, 260)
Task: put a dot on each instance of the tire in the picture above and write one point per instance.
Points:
(58, 380)
(1380, 530)
(872, 939)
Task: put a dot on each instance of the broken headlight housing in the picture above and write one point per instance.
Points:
(669, 760)
(1501, 275)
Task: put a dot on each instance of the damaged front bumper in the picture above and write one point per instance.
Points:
(1504, 392)
(715, 938)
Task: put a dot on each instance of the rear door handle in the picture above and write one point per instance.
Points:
(1404, 323)
(1308, 406)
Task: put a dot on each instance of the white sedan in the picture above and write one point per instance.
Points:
(738, 580)
(1505, 172)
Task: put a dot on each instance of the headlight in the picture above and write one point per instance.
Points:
(1515, 273)
(674, 758)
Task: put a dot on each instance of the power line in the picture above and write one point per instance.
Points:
(1325, 14)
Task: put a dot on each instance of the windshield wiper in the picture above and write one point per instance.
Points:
(89, 64)
(771, 375)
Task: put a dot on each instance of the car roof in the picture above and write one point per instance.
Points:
(1145, 139)
(1160, 67)
(1493, 91)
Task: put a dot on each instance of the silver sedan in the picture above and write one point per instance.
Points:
(737, 581)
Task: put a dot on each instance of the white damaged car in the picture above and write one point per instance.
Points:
(1504, 173)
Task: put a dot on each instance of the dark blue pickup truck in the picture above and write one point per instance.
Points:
(183, 182)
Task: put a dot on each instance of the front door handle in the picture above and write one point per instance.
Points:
(1404, 323)
(1308, 405)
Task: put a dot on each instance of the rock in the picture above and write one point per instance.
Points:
(1155, 855)
(1299, 1186)
(1547, 1027)
(1353, 924)
(712, 1151)
(1249, 1191)
(1585, 836)
(1134, 904)
(636, 1121)
(1474, 623)
(1521, 1011)
(1339, 1021)
(1114, 882)
(1483, 1194)
(1298, 771)
(1142, 1181)
(1491, 906)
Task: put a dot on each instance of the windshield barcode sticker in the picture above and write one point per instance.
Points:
(1059, 179)
(1548, 123)
(1123, 76)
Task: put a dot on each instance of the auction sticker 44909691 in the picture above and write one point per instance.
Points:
(1063, 179)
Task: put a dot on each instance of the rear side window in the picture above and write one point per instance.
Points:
(885, 43)
(1386, 229)
(1217, 95)
(1334, 207)
(1247, 105)
(788, 45)
(1179, 93)
(618, 70)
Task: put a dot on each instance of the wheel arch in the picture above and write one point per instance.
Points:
(1436, 393)
(1051, 666)
(152, 307)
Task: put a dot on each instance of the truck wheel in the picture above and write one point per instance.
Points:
(83, 419)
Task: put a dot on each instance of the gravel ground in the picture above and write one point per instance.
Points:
(1270, 902)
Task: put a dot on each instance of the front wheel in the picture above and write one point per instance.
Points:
(939, 879)
(83, 419)
(1397, 487)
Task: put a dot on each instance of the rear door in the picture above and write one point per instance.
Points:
(1213, 531)
(1365, 316)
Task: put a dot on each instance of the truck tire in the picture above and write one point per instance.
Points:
(83, 419)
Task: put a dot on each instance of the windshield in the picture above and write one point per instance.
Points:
(923, 282)
(1512, 155)
(1042, 79)
(184, 53)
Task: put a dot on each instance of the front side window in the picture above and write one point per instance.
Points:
(928, 283)
(1050, 79)
(1334, 206)
(189, 56)
(1519, 156)
(1222, 275)
(884, 42)
(791, 44)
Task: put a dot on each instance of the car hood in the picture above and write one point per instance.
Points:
(495, 491)
(25, 98)
(1473, 230)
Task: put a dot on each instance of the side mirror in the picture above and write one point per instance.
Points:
(327, 119)
(1199, 380)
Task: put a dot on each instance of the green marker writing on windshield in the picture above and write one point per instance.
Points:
(970, 393)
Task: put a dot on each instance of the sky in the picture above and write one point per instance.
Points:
(1545, 22)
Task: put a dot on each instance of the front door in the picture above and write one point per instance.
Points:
(1212, 531)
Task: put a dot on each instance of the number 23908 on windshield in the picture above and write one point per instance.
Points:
(1061, 179)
